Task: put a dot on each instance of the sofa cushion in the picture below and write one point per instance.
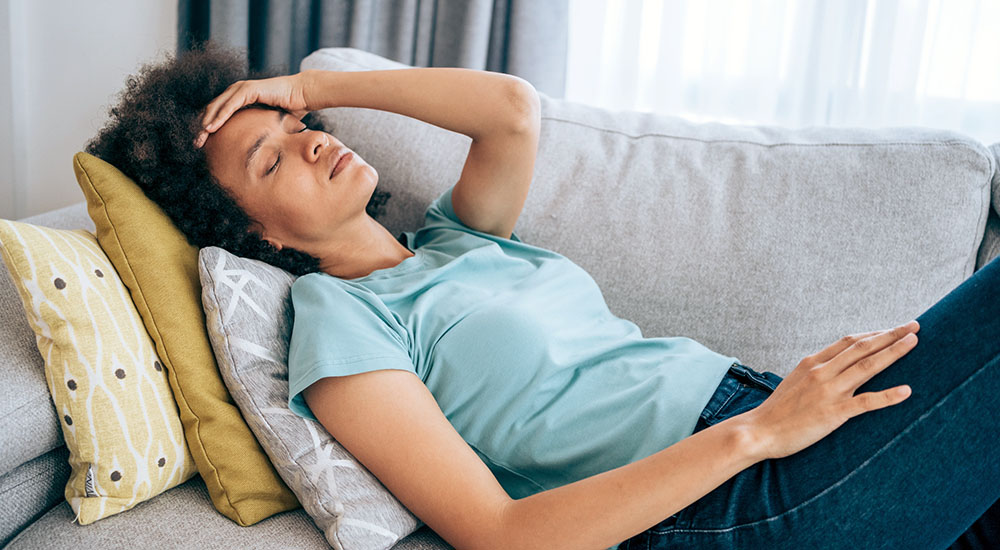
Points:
(763, 243)
(161, 270)
(27, 417)
(115, 407)
(183, 518)
(249, 313)
(991, 239)
(30, 490)
(994, 152)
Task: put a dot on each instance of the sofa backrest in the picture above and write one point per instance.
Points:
(763, 243)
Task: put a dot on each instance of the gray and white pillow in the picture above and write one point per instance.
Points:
(248, 311)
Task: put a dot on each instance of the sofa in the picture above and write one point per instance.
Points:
(763, 243)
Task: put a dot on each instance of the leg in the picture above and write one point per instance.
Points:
(915, 475)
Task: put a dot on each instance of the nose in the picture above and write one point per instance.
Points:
(315, 144)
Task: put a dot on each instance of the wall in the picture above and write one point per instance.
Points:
(61, 64)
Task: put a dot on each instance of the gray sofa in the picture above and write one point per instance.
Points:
(762, 243)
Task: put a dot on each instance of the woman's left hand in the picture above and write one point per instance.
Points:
(287, 92)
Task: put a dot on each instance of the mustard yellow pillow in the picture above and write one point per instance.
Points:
(117, 412)
(160, 269)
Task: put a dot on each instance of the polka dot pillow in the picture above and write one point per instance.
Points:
(118, 416)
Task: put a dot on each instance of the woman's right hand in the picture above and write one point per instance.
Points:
(287, 92)
(818, 396)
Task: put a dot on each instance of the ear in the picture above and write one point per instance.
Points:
(271, 241)
(257, 228)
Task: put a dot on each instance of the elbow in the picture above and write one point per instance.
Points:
(498, 532)
(509, 531)
(524, 106)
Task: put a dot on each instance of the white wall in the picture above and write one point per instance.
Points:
(61, 65)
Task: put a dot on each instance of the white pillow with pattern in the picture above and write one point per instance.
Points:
(248, 311)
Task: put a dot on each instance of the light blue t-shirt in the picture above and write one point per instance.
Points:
(517, 346)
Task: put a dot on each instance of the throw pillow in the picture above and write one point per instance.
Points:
(160, 269)
(110, 390)
(249, 312)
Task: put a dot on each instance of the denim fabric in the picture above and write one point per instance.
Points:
(914, 475)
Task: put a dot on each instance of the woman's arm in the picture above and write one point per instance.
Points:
(479, 104)
(390, 422)
(500, 112)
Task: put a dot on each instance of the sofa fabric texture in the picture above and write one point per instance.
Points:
(31, 489)
(248, 309)
(763, 243)
(183, 519)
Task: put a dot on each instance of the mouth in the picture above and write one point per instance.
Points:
(343, 158)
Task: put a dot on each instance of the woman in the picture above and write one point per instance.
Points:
(449, 361)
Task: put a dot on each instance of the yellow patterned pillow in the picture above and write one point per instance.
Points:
(117, 412)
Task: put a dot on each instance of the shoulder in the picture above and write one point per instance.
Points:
(441, 216)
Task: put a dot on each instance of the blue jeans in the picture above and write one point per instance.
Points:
(914, 475)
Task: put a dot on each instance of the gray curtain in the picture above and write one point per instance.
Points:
(526, 38)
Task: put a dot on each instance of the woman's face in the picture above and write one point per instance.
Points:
(282, 176)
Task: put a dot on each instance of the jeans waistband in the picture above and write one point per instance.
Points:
(741, 389)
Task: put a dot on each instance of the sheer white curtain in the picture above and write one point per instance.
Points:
(793, 63)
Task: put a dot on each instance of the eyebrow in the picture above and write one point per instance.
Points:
(260, 141)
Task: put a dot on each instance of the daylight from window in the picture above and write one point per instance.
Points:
(793, 63)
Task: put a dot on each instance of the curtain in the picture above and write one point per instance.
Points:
(526, 38)
(793, 63)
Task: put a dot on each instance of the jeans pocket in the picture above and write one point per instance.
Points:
(749, 389)
(762, 381)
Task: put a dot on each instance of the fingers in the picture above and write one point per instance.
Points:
(835, 348)
(284, 92)
(870, 401)
(859, 372)
(200, 139)
(219, 110)
(865, 347)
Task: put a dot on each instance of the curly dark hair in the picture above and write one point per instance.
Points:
(150, 136)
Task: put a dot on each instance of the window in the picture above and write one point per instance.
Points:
(793, 63)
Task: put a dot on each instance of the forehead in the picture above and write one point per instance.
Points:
(227, 147)
(245, 126)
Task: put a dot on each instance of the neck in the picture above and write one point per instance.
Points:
(371, 248)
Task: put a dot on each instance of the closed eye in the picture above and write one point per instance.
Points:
(278, 159)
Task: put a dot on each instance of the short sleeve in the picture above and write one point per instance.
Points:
(441, 214)
(338, 330)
